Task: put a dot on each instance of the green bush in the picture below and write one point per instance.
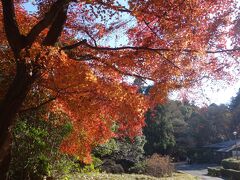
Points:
(123, 151)
(110, 166)
(215, 172)
(93, 167)
(138, 168)
(35, 151)
(231, 163)
(106, 149)
(230, 174)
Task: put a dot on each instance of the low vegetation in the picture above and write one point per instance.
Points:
(158, 166)
(104, 176)
(230, 174)
(215, 172)
(231, 163)
(230, 169)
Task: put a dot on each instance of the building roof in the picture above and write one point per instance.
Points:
(225, 146)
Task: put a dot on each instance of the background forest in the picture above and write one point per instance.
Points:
(173, 130)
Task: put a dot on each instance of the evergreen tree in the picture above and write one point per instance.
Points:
(158, 131)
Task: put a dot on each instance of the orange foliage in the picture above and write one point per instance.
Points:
(171, 43)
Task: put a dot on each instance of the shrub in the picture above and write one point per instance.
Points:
(107, 149)
(93, 167)
(231, 163)
(158, 166)
(138, 168)
(215, 172)
(62, 167)
(123, 151)
(35, 151)
(110, 166)
(230, 174)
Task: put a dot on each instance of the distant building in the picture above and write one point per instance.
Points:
(223, 150)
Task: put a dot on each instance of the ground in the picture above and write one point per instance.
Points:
(104, 176)
(185, 172)
(198, 170)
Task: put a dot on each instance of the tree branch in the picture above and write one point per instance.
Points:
(57, 27)
(152, 30)
(48, 19)
(85, 57)
(224, 50)
(39, 105)
(15, 39)
(89, 57)
(169, 61)
(84, 42)
(114, 7)
(94, 41)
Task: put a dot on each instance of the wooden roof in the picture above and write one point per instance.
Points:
(225, 146)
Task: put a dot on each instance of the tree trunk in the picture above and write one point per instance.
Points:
(9, 108)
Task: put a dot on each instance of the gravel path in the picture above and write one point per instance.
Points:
(199, 170)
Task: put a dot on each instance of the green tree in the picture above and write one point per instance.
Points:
(211, 124)
(235, 102)
(235, 110)
(180, 114)
(158, 131)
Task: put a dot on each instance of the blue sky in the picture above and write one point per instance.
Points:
(30, 7)
(222, 94)
(217, 93)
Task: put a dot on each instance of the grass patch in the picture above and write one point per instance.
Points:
(104, 176)
(181, 176)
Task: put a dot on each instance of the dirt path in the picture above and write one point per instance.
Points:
(199, 170)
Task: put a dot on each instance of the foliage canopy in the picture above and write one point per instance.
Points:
(57, 57)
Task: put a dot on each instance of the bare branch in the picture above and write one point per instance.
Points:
(114, 7)
(95, 42)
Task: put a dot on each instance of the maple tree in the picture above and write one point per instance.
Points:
(56, 57)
